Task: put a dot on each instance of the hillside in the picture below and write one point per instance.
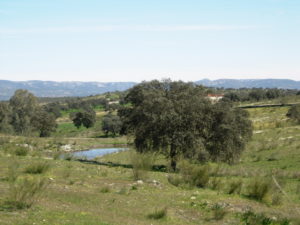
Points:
(251, 83)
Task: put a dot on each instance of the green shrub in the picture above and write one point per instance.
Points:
(105, 189)
(251, 218)
(37, 167)
(174, 180)
(194, 175)
(23, 193)
(21, 151)
(215, 183)
(258, 188)
(158, 214)
(141, 164)
(235, 187)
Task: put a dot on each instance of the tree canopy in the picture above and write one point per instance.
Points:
(177, 119)
(87, 118)
(111, 124)
(22, 115)
(294, 113)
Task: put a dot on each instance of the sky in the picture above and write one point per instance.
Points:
(135, 40)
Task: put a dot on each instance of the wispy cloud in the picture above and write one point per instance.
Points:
(105, 28)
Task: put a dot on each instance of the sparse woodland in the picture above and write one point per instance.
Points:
(190, 161)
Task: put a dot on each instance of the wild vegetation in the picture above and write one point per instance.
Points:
(261, 186)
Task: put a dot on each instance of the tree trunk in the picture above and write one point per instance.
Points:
(173, 157)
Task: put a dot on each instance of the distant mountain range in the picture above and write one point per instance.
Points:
(251, 83)
(60, 89)
(72, 88)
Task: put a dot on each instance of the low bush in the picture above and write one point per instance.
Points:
(21, 151)
(158, 214)
(141, 164)
(251, 218)
(23, 193)
(235, 187)
(37, 167)
(194, 175)
(105, 189)
(259, 188)
(215, 183)
(175, 180)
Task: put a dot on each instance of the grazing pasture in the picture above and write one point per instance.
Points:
(263, 186)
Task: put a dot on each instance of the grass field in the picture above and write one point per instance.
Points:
(79, 193)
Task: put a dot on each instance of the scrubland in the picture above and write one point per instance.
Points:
(37, 187)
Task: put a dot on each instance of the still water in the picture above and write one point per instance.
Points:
(93, 153)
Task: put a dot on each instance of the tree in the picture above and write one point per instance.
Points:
(111, 124)
(176, 119)
(24, 105)
(53, 108)
(230, 130)
(294, 113)
(5, 118)
(44, 123)
(85, 118)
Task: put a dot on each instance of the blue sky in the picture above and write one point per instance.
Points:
(95, 40)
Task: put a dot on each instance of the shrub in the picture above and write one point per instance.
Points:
(24, 192)
(21, 151)
(235, 186)
(215, 183)
(105, 189)
(158, 214)
(194, 175)
(219, 211)
(276, 199)
(37, 167)
(258, 188)
(141, 164)
(294, 113)
(251, 218)
(174, 180)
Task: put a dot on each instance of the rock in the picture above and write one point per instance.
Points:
(66, 147)
(140, 182)
(155, 182)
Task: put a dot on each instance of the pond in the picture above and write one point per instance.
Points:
(93, 153)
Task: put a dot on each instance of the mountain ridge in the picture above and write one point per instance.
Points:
(81, 89)
(251, 83)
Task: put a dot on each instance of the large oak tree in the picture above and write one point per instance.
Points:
(177, 119)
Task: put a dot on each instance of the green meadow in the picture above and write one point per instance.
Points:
(39, 187)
